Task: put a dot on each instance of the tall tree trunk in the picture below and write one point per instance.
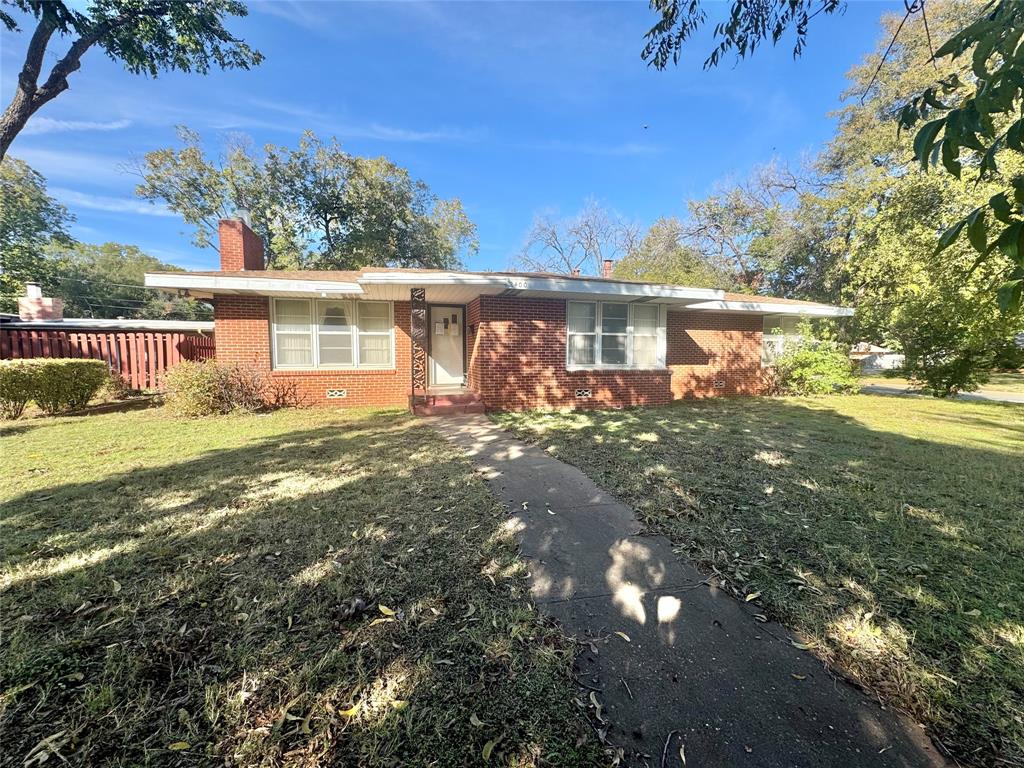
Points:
(21, 107)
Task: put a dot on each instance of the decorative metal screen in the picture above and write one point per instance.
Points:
(584, 393)
(333, 393)
(418, 297)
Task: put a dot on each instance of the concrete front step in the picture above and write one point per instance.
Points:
(448, 409)
(454, 398)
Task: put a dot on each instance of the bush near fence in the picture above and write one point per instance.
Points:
(55, 385)
(139, 357)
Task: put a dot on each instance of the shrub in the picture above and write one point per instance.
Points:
(55, 384)
(63, 384)
(207, 388)
(15, 387)
(117, 387)
(809, 366)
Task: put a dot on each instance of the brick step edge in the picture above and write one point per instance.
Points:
(422, 409)
(463, 398)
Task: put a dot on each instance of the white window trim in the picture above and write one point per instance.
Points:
(629, 366)
(314, 329)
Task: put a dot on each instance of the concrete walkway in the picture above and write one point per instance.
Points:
(983, 395)
(730, 690)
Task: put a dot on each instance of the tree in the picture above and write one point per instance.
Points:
(147, 37)
(107, 281)
(314, 206)
(748, 25)
(578, 244)
(979, 123)
(30, 220)
(662, 257)
(941, 312)
(748, 231)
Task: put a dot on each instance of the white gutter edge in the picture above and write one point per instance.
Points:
(766, 307)
(261, 285)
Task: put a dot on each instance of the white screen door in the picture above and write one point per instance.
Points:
(447, 328)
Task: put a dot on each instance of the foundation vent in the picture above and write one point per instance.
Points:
(333, 394)
(584, 393)
(719, 384)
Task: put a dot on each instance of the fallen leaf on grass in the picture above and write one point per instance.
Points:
(795, 676)
(399, 704)
(973, 612)
(488, 748)
(752, 596)
(475, 721)
(801, 646)
(624, 636)
(385, 610)
(351, 711)
(178, 746)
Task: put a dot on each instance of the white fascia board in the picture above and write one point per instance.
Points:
(768, 308)
(544, 284)
(257, 285)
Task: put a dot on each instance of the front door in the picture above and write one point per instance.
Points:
(447, 329)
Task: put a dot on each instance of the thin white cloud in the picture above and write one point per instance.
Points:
(307, 118)
(69, 164)
(74, 199)
(40, 125)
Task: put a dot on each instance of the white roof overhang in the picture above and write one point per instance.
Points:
(462, 287)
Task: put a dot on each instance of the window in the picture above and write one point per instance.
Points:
(333, 333)
(292, 333)
(604, 334)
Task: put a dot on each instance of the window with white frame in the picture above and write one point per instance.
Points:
(608, 334)
(333, 333)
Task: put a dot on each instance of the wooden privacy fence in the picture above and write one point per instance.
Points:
(139, 356)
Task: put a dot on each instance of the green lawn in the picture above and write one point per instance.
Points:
(889, 531)
(998, 382)
(176, 593)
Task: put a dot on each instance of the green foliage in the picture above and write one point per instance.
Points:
(315, 206)
(107, 281)
(16, 387)
(30, 220)
(54, 384)
(149, 37)
(979, 126)
(663, 257)
(207, 388)
(810, 366)
(748, 25)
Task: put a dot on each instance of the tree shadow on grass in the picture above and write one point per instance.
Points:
(904, 557)
(197, 610)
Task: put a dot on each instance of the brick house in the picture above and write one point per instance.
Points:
(444, 341)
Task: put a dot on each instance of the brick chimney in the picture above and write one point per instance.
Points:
(32, 306)
(240, 247)
(606, 268)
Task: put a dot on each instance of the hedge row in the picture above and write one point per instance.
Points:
(54, 384)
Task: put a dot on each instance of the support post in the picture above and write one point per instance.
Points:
(418, 301)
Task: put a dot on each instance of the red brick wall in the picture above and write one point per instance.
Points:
(242, 333)
(517, 359)
(240, 247)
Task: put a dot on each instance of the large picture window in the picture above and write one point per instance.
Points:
(608, 334)
(333, 333)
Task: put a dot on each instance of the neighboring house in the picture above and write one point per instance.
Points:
(872, 358)
(140, 351)
(474, 340)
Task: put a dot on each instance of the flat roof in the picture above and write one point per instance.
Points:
(453, 286)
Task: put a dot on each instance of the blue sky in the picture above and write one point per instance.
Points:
(515, 108)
